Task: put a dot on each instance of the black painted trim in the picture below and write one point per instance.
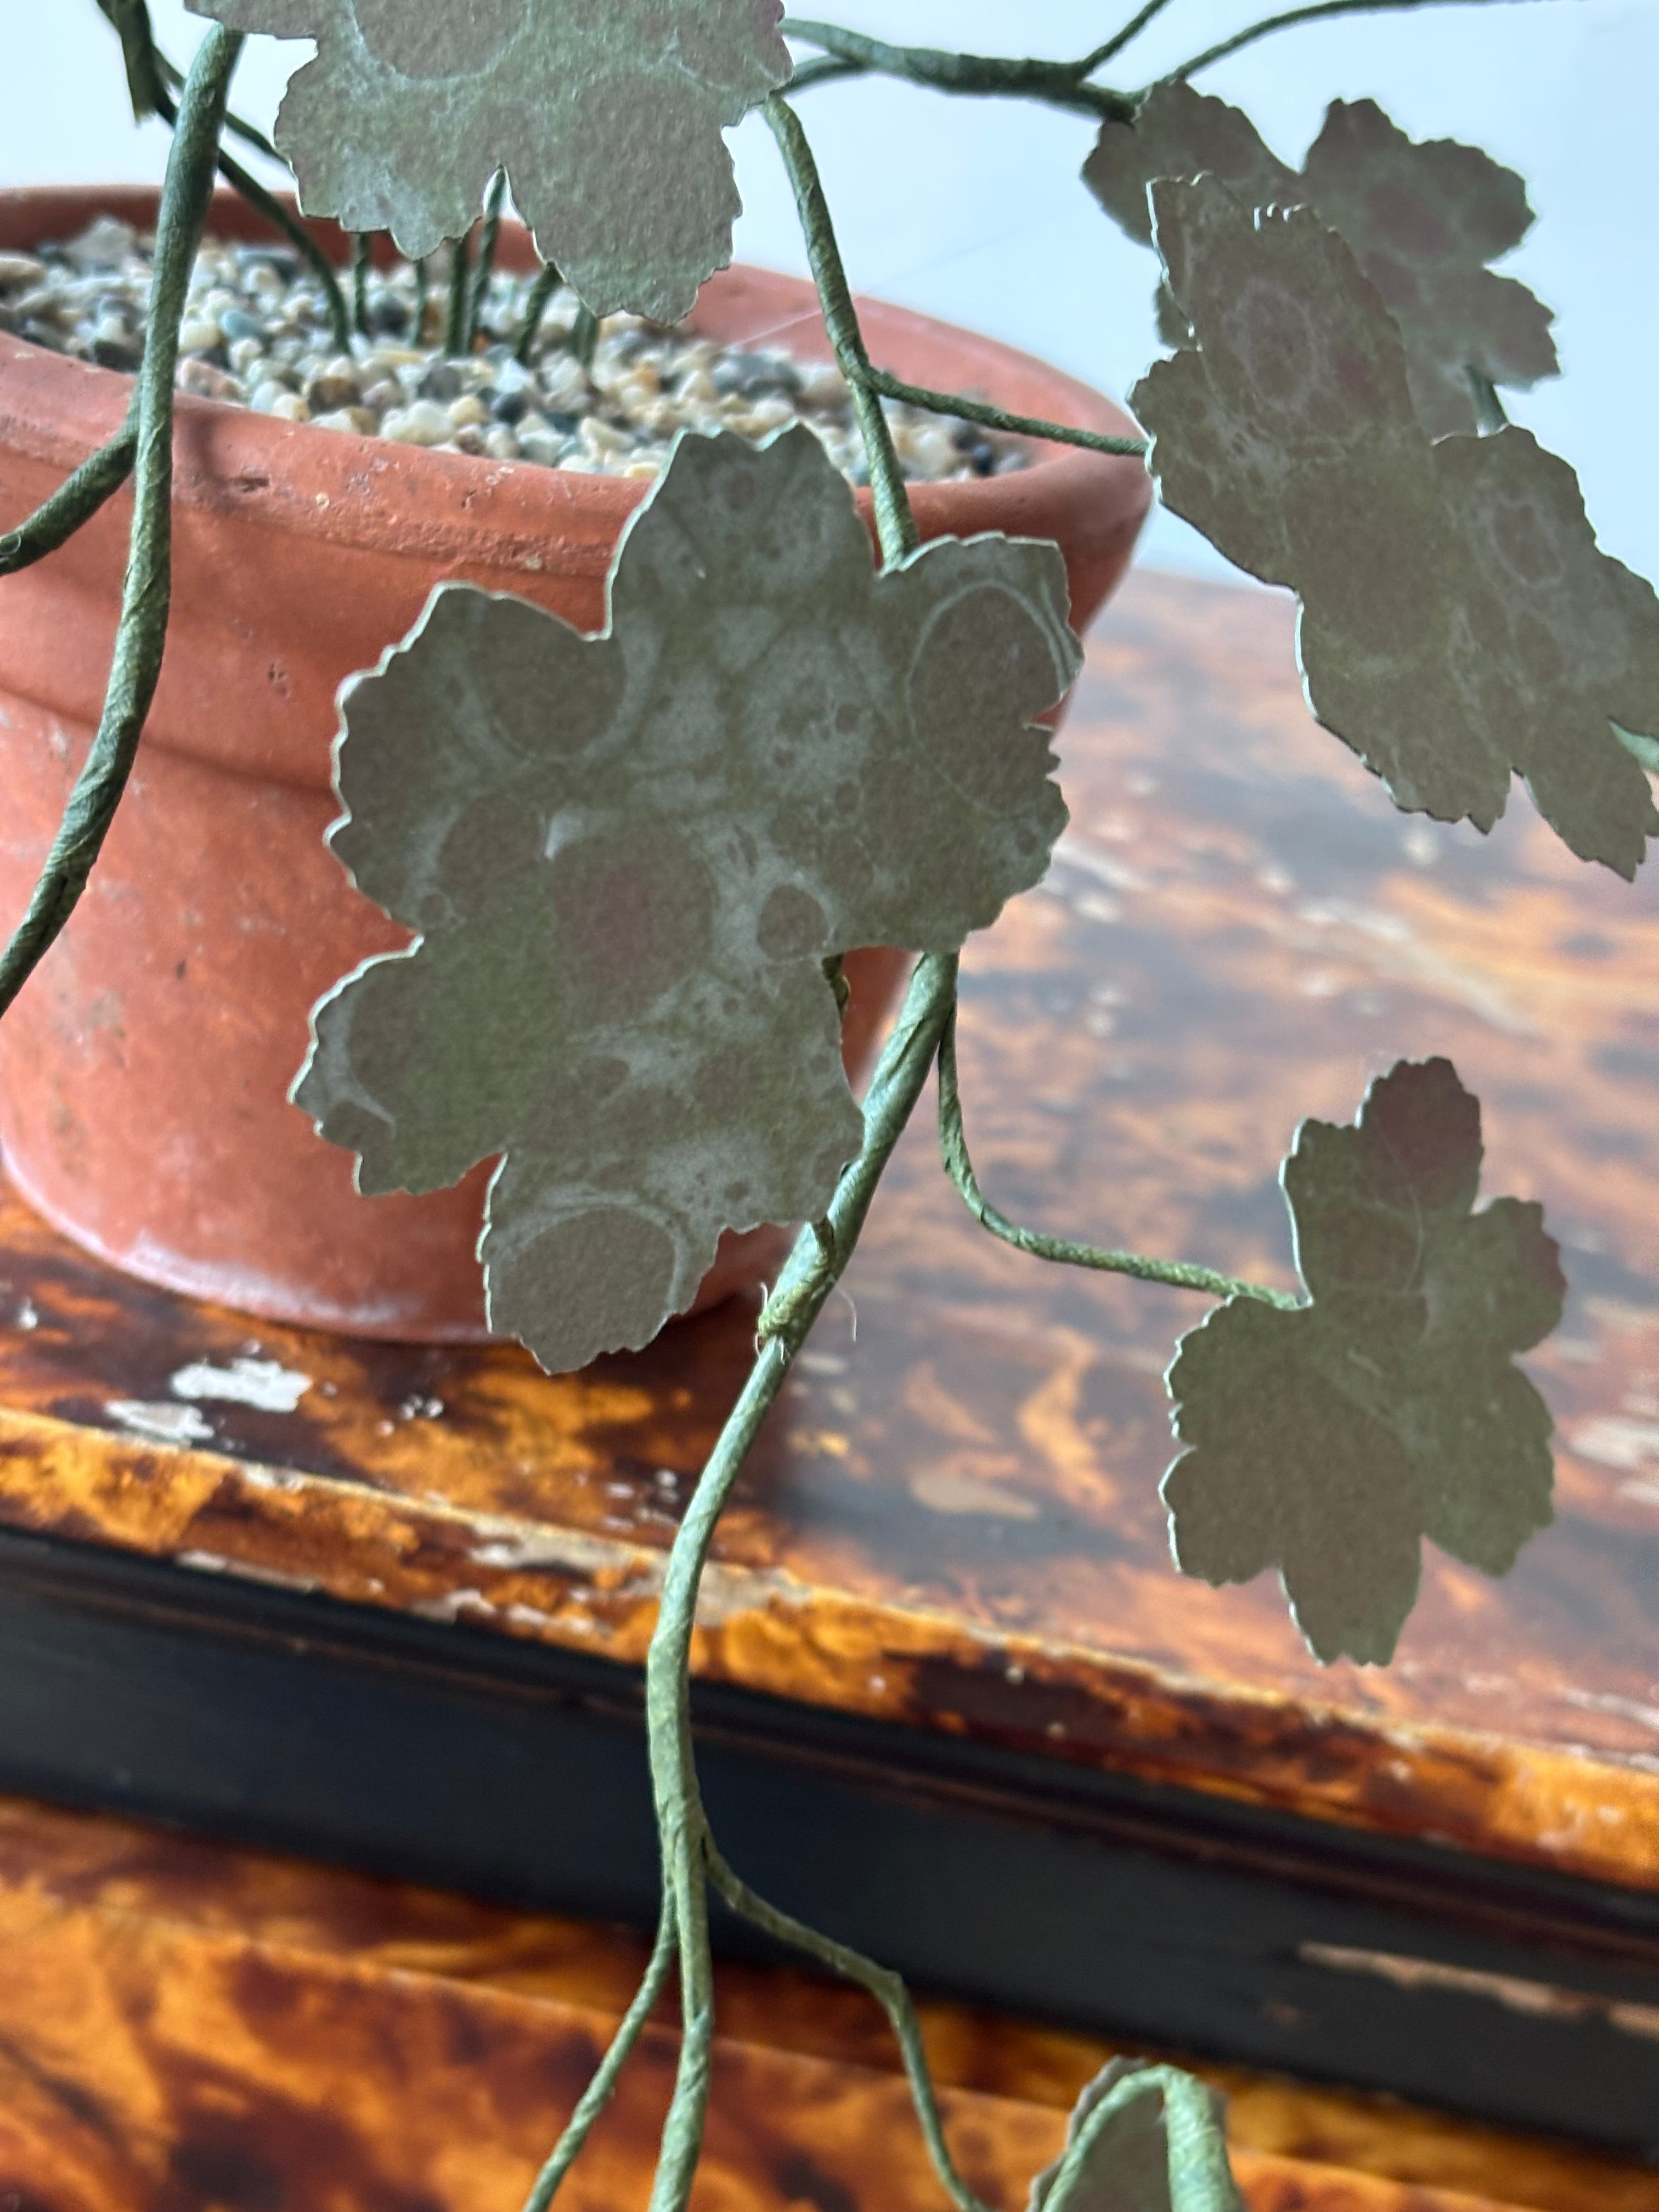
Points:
(459, 1757)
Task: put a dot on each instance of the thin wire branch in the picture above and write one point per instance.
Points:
(236, 123)
(1314, 14)
(1200, 2178)
(548, 281)
(75, 500)
(597, 2095)
(486, 263)
(974, 75)
(953, 1144)
(360, 263)
(888, 1989)
(826, 69)
(1132, 29)
(141, 634)
(460, 255)
(996, 419)
(895, 526)
(809, 1277)
(150, 77)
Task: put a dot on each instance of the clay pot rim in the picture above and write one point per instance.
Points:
(364, 490)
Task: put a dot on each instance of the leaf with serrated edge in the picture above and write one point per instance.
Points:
(1458, 621)
(628, 855)
(1178, 132)
(1329, 1440)
(606, 115)
(1127, 2165)
(1424, 219)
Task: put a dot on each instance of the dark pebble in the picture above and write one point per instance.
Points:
(124, 354)
(442, 381)
(509, 406)
(566, 425)
(278, 257)
(236, 323)
(9, 318)
(388, 317)
(756, 376)
(44, 334)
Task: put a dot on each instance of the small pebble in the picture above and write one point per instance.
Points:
(422, 423)
(256, 333)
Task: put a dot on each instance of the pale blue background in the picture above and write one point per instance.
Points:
(973, 210)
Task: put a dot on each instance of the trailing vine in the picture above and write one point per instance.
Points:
(922, 1042)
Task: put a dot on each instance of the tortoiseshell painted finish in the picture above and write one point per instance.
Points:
(953, 1522)
(186, 2028)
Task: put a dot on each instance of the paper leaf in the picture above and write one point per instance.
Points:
(1457, 619)
(606, 114)
(1127, 2165)
(1424, 219)
(1178, 132)
(1328, 1441)
(628, 856)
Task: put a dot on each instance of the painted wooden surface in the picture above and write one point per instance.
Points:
(191, 2029)
(953, 1521)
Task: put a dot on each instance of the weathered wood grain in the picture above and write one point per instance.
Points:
(191, 2029)
(953, 1521)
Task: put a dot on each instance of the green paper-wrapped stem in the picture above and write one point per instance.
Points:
(896, 526)
(461, 259)
(485, 268)
(548, 281)
(888, 1989)
(151, 79)
(1200, 2179)
(597, 2095)
(75, 500)
(141, 634)
(994, 418)
(814, 1267)
(953, 1144)
(362, 260)
(1291, 16)
(975, 76)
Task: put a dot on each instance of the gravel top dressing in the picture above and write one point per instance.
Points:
(255, 334)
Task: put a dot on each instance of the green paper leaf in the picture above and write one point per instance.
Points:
(606, 115)
(1178, 132)
(1458, 621)
(628, 855)
(1329, 1440)
(1423, 220)
(1127, 2165)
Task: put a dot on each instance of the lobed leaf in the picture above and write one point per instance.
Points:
(606, 115)
(1422, 220)
(1329, 1440)
(628, 855)
(1458, 622)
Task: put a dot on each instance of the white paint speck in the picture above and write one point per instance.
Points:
(163, 1423)
(28, 1314)
(262, 1384)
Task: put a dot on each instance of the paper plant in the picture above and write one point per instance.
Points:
(1457, 620)
(1423, 220)
(606, 115)
(1126, 2168)
(627, 857)
(1328, 1440)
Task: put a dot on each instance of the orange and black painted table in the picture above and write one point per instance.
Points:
(954, 1702)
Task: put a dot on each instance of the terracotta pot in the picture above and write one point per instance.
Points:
(144, 1069)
